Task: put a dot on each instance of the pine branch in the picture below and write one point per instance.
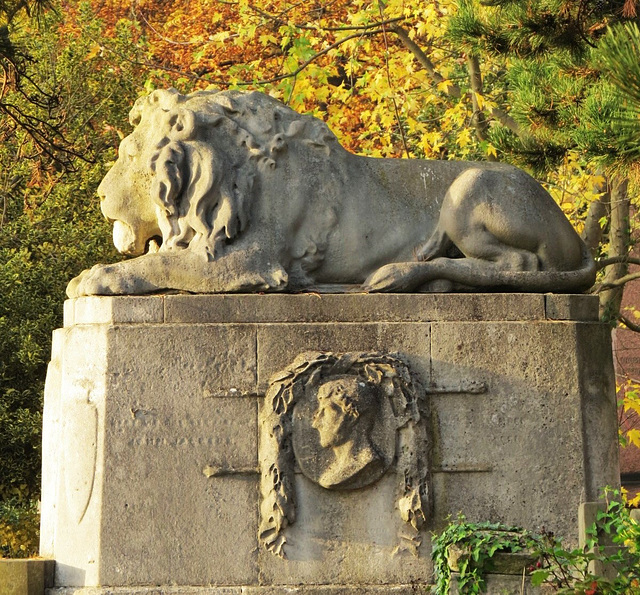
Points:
(393, 99)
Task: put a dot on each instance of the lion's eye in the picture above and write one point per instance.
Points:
(128, 149)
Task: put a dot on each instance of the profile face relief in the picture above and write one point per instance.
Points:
(344, 419)
(336, 413)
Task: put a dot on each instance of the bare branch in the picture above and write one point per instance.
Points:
(605, 262)
(506, 120)
(475, 79)
(393, 99)
(632, 326)
(617, 283)
(453, 90)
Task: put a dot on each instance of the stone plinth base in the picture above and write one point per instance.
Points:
(506, 584)
(150, 472)
(272, 590)
(25, 577)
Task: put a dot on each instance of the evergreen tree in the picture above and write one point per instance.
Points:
(568, 76)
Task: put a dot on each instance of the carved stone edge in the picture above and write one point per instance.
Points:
(398, 589)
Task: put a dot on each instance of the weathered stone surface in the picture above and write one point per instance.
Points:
(599, 408)
(506, 584)
(588, 520)
(346, 537)
(151, 457)
(215, 360)
(134, 445)
(518, 563)
(245, 195)
(167, 590)
(147, 309)
(25, 577)
(416, 589)
(572, 307)
(73, 453)
(326, 307)
(277, 343)
(211, 520)
(509, 438)
(306, 307)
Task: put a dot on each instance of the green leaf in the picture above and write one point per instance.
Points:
(539, 576)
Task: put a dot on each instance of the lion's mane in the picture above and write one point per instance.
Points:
(213, 147)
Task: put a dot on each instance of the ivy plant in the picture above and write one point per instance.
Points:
(593, 569)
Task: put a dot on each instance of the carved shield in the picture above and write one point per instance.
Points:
(80, 451)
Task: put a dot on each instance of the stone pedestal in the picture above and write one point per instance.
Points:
(150, 472)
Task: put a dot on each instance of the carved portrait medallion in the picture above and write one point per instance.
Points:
(343, 420)
(344, 432)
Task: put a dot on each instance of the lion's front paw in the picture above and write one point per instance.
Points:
(276, 279)
(79, 286)
(107, 279)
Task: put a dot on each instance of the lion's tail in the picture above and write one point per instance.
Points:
(477, 273)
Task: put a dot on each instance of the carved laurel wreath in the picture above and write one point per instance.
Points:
(276, 451)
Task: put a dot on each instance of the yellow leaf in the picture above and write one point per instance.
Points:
(96, 49)
(633, 436)
(464, 138)
(267, 39)
(491, 150)
(444, 86)
(221, 36)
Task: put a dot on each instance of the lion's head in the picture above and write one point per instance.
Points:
(186, 175)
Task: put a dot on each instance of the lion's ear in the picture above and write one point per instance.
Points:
(183, 124)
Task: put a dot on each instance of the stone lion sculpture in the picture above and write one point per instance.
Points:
(235, 192)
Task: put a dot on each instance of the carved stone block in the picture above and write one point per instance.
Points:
(169, 436)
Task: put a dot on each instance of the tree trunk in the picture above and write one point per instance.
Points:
(619, 245)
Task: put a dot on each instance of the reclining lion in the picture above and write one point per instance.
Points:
(235, 192)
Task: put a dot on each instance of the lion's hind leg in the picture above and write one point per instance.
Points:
(480, 244)
(439, 244)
